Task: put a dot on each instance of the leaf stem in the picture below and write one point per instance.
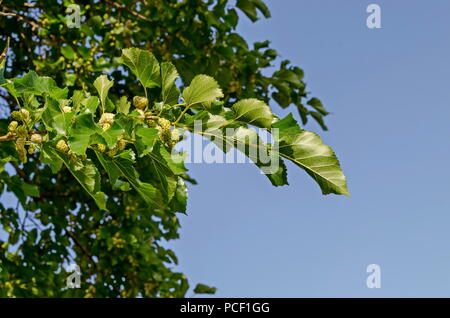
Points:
(181, 115)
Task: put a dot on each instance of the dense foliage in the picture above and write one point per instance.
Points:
(92, 146)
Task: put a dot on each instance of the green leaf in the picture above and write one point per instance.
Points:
(249, 8)
(22, 189)
(254, 112)
(245, 140)
(112, 134)
(123, 105)
(90, 105)
(80, 133)
(307, 150)
(103, 84)
(203, 89)
(68, 52)
(144, 65)
(204, 289)
(170, 92)
(49, 158)
(179, 199)
(31, 83)
(173, 162)
(84, 172)
(122, 165)
(54, 118)
(317, 105)
(248, 142)
(148, 138)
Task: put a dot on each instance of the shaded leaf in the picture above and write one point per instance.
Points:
(204, 289)
(84, 172)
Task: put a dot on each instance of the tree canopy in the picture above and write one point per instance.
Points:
(91, 118)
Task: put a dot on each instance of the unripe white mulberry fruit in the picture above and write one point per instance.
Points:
(25, 114)
(107, 118)
(37, 138)
(12, 126)
(101, 147)
(175, 135)
(62, 146)
(140, 102)
(67, 109)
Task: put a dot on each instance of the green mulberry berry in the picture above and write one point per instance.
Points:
(32, 149)
(25, 115)
(22, 131)
(20, 147)
(140, 102)
(16, 115)
(72, 156)
(12, 126)
(101, 147)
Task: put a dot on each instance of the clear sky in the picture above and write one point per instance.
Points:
(389, 94)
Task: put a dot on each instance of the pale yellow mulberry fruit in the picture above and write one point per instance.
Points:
(13, 126)
(37, 138)
(140, 102)
(62, 146)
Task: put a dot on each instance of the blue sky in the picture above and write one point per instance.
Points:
(388, 91)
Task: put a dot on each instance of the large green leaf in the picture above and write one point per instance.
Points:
(249, 8)
(55, 118)
(123, 105)
(103, 84)
(122, 165)
(81, 131)
(245, 140)
(144, 65)
(31, 83)
(307, 150)
(170, 93)
(112, 134)
(203, 89)
(254, 112)
(146, 139)
(84, 171)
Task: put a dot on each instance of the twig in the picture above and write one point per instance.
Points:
(19, 171)
(133, 13)
(14, 135)
(34, 25)
(85, 251)
(5, 51)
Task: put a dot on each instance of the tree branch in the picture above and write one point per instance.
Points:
(34, 25)
(133, 13)
(83, 249)
(19, 171)
(12, 136)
